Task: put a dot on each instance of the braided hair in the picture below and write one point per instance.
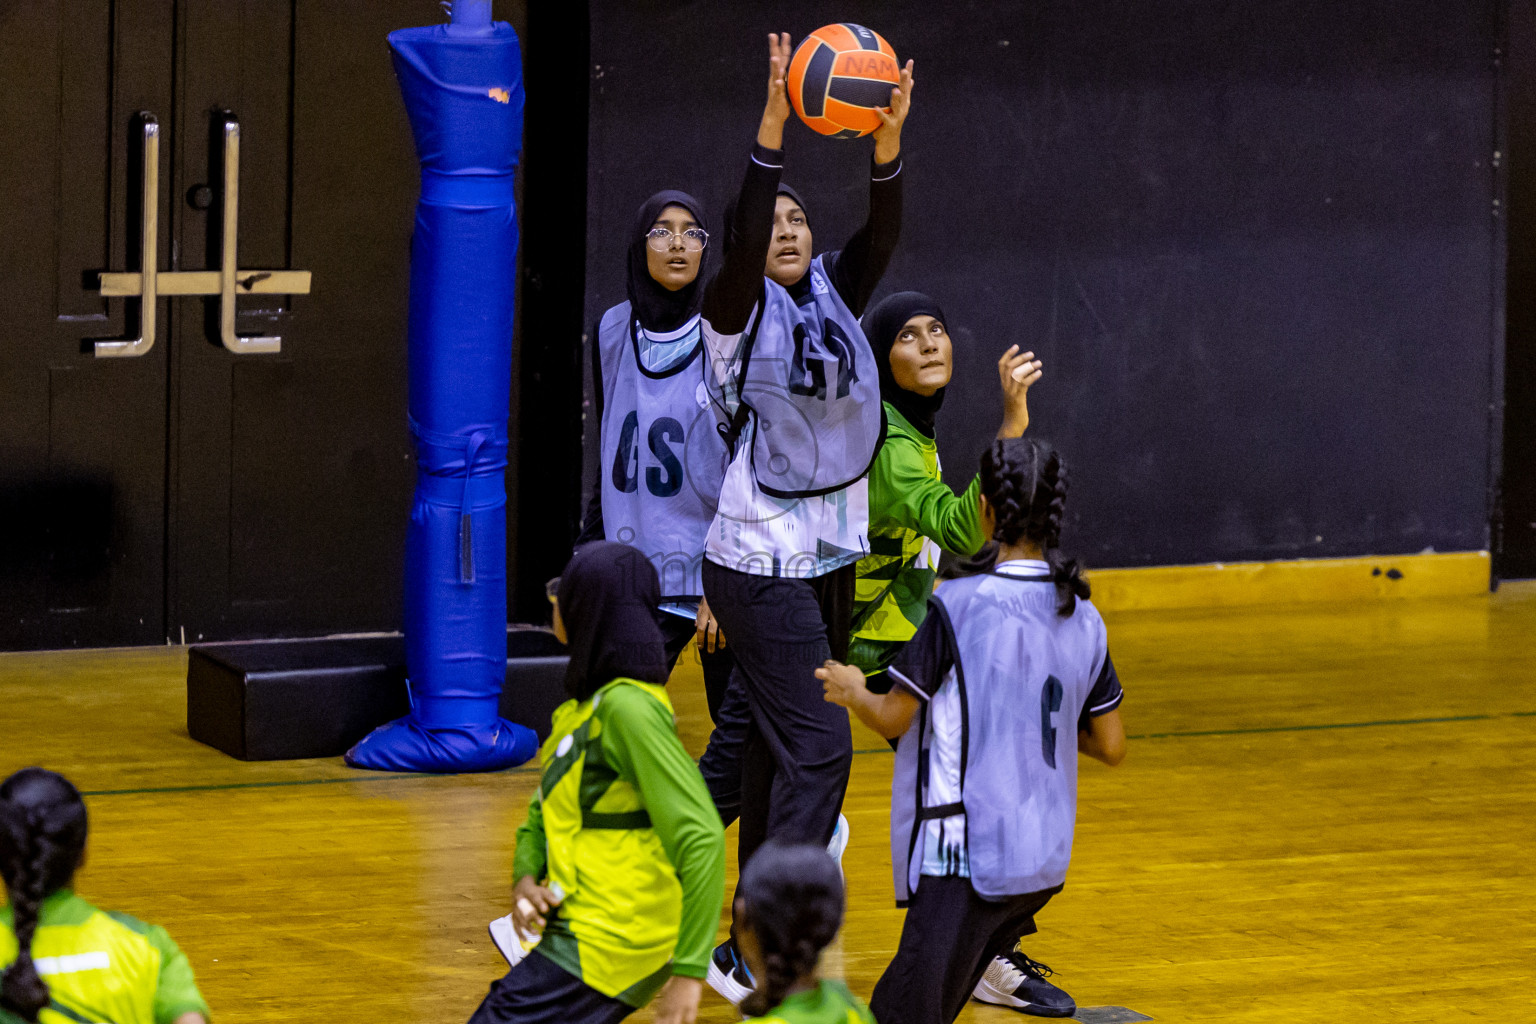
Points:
(1025, 482)
(42, 839)
(793, 905)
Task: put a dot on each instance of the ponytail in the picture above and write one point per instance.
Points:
(42, 838)
(781, 969)
(792, 900)
(1025, 482)
(1070, 585)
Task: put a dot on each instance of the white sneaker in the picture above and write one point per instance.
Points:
(728, 975)
(512, 945)
(839, 843)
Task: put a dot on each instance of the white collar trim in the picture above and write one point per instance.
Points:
(1023, 567)
(687, 328)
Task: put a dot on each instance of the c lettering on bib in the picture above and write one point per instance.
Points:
(1051, 695)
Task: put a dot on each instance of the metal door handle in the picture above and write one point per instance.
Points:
(226, 282)
(149, 238)
(229, 238)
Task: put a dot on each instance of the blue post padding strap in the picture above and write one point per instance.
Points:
(466, 189)
(464, 96)
(464, 472)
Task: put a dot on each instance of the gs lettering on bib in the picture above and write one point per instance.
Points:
(662, 457)
(807, 378)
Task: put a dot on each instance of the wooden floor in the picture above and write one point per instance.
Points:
(1328, 814)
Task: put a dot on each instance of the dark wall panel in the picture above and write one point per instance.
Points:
(544, 478)
(1255, 244)
(1516, 554)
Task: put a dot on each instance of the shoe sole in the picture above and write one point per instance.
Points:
(987, 994)
(726, 986)
(840, 838)
(504, 935)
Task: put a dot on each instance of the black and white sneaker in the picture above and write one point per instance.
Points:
(1017, 982)
(728, 974)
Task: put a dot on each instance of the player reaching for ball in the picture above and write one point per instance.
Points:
(1008, 678)
(912, 512)
(799, 400)
(620, 866)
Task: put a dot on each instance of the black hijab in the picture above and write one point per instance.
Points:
(790, 193)
(798, 289)
(658, 309)
(608, 597)
(881, 326)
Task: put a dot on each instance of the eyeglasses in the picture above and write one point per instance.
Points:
(552, 589)
(660, 239)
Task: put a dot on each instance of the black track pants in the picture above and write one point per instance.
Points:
(949, 937)
(798, 749)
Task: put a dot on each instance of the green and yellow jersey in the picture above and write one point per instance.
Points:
(912, 513)
(623, 826)
(828, 1003)
(103, 967)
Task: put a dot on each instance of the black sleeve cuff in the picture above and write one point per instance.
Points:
(768, 157)
(884, 172)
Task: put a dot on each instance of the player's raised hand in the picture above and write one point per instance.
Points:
(770, 132)
(841, 684)
(888, 135)
(1017, 372)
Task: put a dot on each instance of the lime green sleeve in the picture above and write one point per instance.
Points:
(176, 993)
(640, 742)
(532, 853)
(902, 490)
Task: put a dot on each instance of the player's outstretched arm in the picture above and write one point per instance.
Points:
(900, 484)
(888, 714)
(1104, 739)
(731, 294)
(855, 270)
(1017, 373)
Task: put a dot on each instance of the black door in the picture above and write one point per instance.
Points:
(195, 492)
(82, 438)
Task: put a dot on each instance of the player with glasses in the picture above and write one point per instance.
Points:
(661, 458)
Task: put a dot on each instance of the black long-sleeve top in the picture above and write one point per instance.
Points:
(730, 296)
(854, 271)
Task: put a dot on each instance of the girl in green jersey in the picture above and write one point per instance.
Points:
(788, 908)
(98, 965)
(620, 867)
(912, 512)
